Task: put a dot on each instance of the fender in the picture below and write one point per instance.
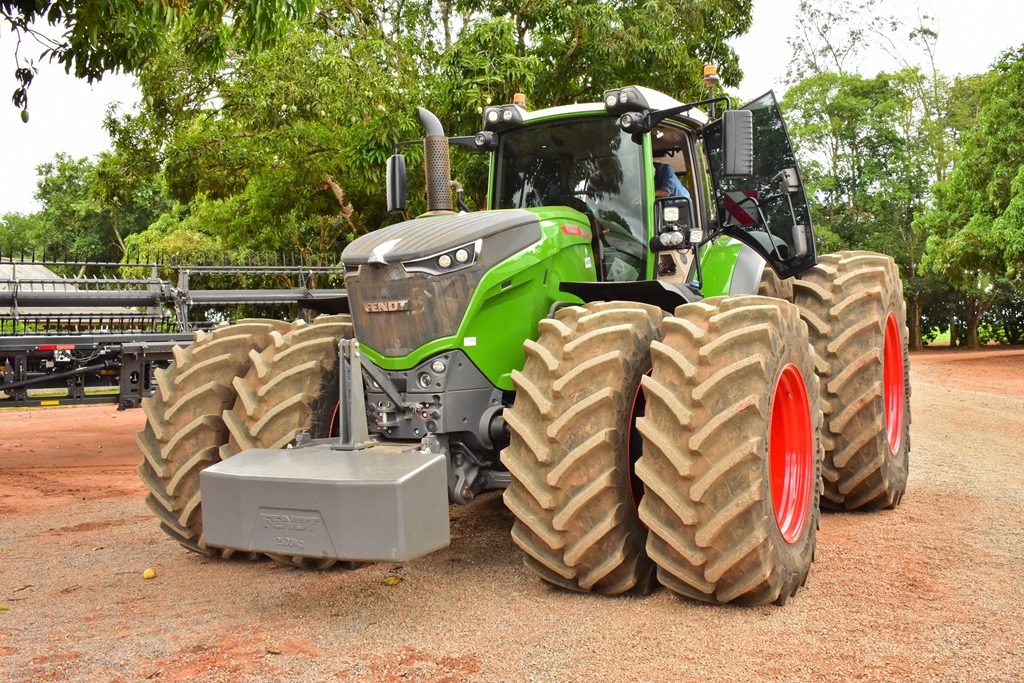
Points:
(655, 292)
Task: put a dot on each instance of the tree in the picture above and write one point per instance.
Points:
(97, 38)
(16, 233)
(286, 148)
(86, 209)
(977, 220)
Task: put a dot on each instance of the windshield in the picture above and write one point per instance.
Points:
(587, 164)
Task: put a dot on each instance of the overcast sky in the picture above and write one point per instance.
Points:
(67, 114)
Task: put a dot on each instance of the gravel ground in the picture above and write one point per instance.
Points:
(932, 591)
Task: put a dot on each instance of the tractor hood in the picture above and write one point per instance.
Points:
(426, 237)
(411, 283)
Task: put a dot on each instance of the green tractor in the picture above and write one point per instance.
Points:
(636, 341)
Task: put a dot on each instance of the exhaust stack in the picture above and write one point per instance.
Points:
(437, 163)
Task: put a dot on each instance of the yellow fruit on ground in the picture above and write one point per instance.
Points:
(149, 573)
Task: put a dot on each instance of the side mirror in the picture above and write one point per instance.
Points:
(738, 142)
(396, 183)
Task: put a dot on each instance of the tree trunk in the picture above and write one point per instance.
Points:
(914, 321)
(348, 212)
(954, 330)
(976, 307)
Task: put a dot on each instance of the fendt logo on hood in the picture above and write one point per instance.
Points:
(386, 306)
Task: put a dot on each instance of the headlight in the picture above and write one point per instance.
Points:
(425, 380)
(438, 366)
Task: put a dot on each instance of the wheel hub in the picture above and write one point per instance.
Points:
(791, 453)
(893, 383)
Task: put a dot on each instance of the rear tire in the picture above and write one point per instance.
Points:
(853, 304)
(728, 370)
(774, 286)
(291, 386)
(185, 430)
(571, 489)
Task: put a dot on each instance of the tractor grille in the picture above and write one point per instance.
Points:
(396, 311)
(434, 305)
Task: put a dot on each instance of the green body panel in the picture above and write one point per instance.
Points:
(516, 294)
(512, 298)
(717, 264)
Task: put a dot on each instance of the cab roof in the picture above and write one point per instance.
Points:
(657, 100)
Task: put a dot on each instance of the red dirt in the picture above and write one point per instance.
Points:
(54, 457)
(993, 369)
(931, 591)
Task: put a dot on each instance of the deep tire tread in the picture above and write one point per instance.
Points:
(185, 430)
(845, 300)
(570, 493)
(707, 497)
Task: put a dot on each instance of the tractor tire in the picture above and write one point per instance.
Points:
(572, 491)
(732, 452)
(853, 304)
(292, 385)
(184, 428)
(772, 285)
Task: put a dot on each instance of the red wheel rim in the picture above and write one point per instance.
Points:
(893, 384)
(791, 453)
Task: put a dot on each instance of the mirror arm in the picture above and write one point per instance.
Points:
(659, 116)
(461, 140)
(764, 223)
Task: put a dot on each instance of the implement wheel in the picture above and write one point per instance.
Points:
(732, 454)
(291, 386)
(572, 491)
(853, 304)
(184, 427)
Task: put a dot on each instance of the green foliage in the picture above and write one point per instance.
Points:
(285, 149)
(977, 219)
(123, 35)
(15, 232)
(87, 208)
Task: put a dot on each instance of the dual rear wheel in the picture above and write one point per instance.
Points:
(749, 412)
(722, 397)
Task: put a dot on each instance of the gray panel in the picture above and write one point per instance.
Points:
(379, 504)
(746, 277)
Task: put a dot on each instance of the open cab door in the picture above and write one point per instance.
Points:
(766, 207)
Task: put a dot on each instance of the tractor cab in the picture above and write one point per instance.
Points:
(741, 180)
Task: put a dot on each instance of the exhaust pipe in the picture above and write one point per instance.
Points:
(437, 163)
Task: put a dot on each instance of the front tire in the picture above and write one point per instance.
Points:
(732, 454)
(185, 428)
(291, 386)
(571, 489)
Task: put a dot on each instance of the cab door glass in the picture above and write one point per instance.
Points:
(587, 164)
(768, 210)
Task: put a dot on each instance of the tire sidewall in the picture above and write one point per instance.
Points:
(896, 465)
(793, 559)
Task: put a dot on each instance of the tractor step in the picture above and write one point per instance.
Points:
(384, 503)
